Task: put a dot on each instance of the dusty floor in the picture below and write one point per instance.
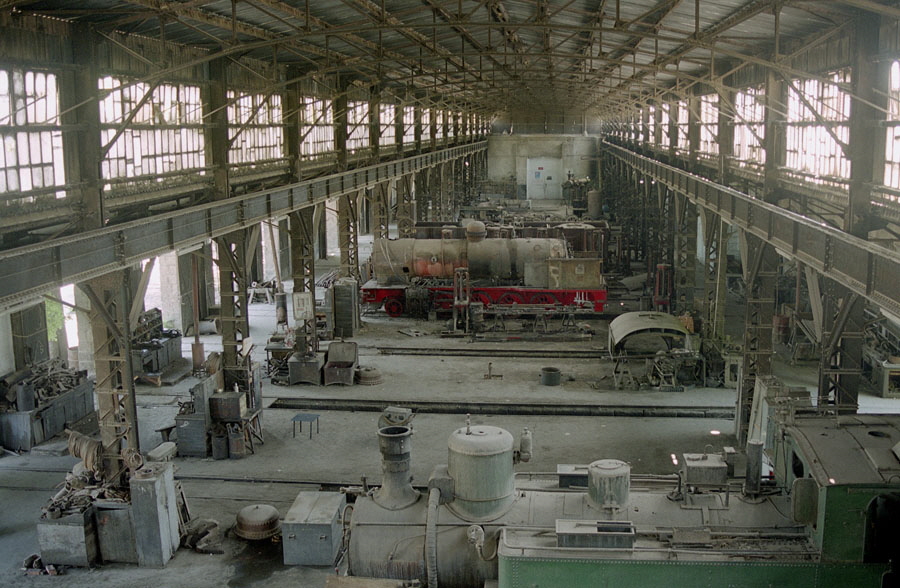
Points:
(345, 449)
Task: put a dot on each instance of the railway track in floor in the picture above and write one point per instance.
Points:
(505, 408)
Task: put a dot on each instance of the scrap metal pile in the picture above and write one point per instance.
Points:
(42, 382)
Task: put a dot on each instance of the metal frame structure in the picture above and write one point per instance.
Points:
(32, 270)
(867, 269)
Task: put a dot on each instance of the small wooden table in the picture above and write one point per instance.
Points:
(305, 417)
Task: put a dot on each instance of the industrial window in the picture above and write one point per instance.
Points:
(409, 124)
(709, 124)
(31, 160)
(749, 127)
(892, 145)
(664, 126)
(254, 128)
(817, 114)
(426, 124)
(387, 113)
(317, 127)
(651, 124)
(683, 124)
(149, 131)
(357, 126)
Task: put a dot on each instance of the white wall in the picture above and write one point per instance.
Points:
(508, 155)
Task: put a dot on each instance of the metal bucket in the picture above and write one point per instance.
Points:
(220, 446)
(550, 376)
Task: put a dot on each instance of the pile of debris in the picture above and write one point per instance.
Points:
(38, 384)
(81, 489)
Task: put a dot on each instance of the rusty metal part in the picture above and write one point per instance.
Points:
(368, 376)
(132, 458)
(257, 521)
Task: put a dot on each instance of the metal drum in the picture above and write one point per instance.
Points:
(481, 465)
(608, 484)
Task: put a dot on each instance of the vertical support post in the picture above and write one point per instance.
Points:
(348, 234)
(840, 367)
(381, 210)
(293, 126)
(870, 78)
(339, 104)
(685, 253)
(693, 130)
(417, 130)
(760, 265)
(82, 149)
(114, 384)
(406, 209)
(715, 238)
(303, 271)
(726, 133)
(375, 122)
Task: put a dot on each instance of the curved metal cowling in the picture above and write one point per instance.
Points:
(633, 323)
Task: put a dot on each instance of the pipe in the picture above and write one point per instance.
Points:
(753, 479)
(431, 567)
(396, 490)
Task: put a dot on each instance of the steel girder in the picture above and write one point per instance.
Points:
(32, 270)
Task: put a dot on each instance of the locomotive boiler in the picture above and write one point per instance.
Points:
(817, 524)
(502, 271)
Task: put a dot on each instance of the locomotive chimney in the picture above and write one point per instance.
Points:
(396, 490)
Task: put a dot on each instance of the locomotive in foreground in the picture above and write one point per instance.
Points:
(820, 518)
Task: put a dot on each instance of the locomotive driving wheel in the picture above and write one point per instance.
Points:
(393, 307)
(543, 298)
(510, 298)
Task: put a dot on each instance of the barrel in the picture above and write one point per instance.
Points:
(550, 376)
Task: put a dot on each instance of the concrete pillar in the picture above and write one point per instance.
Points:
(78, 99)
(870, 78)
(7, 363)
(176, 290)
(406, 206)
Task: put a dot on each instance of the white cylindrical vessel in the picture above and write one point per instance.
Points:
(608, 484)
(481, 465)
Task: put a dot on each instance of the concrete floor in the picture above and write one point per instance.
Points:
(345, 448)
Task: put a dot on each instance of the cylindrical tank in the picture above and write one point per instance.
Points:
(608, 483)
(594, 208)
(481, 464)
(401, 259)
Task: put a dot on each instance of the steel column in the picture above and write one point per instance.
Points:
(114, 384)
(685, 253)
(348, 234)
(760, 266)
(303, 271)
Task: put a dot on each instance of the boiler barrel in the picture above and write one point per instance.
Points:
(400, 259)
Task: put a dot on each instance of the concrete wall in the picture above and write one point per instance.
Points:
(508, 156)
(7, 360)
